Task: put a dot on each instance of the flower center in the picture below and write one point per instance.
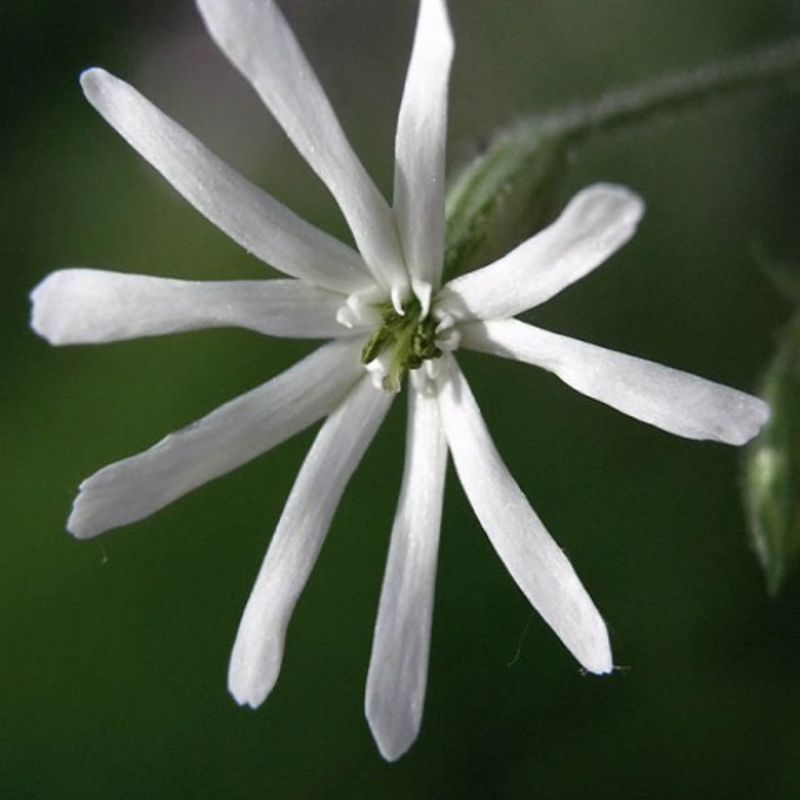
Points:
(403, 341)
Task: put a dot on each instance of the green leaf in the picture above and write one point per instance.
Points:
(772, 467)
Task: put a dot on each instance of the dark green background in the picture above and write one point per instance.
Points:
(115, 651)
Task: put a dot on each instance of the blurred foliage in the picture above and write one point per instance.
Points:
(772, 460)
(772, 466)
(116, 650)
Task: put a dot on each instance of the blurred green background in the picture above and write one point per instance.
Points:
(115, 650)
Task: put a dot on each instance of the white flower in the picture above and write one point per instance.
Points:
(383, 304)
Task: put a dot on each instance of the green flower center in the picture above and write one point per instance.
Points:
(408, 339)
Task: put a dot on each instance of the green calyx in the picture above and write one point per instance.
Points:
(409, 336)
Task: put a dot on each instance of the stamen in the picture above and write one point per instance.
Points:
(423, 292)
(359, 310)
(346, 316)
(398, 296)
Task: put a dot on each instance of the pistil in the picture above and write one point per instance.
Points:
(404, 341)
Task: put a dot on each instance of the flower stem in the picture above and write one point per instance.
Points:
(671, 92)
(507, 193)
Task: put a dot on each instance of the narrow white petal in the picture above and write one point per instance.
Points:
(596, 223)
(252, 218)
(419, 182)
(336, 452)
(254, 35)
(83, 306)
(232, 435)
(534, 560)
(398, 669)
(672, 400)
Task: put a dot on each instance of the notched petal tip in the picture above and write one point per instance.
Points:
(596, 656)
(724, 415)
(92, 513)
(249, 687)
(583, 631)
(751, 415)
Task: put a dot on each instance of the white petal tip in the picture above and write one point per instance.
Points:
(392, 750)
(600, 666)
(90, 516)
(79, 531)
(64, 306)
(593, 651)
(108, 500)
(93, 81)
(247, 689)
(39, 318)
(90, 75)
(755, 414)
(614, 209)
(244, 700)
(630, 205)
(49, 300)
(256, 658)
(738, 418)
(393, 735)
